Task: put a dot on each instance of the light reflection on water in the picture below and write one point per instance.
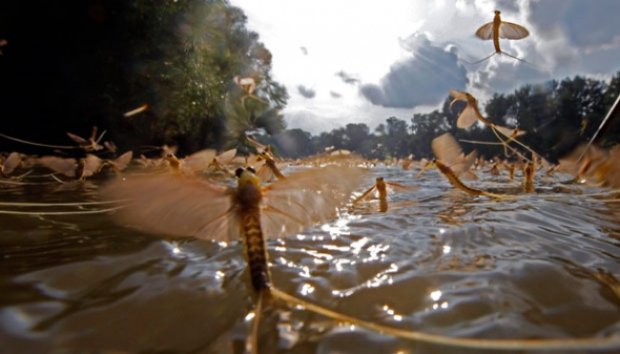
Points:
(544, 265)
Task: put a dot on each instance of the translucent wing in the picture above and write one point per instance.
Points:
(174, 205)
(92, 165)
(77, 139)
(306, 198)
(511, 30)
(199, 161)
(60, 165)
(464, 163)
(227, 156)
(122, 161)
(467, 118)
(447, 149)
(11, 163)
(485, 31)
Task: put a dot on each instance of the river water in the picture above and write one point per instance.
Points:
(542, 265)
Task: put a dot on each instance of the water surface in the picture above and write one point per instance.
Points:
(544, 265)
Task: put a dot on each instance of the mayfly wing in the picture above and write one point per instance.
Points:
(265, 173)
(227, 156)
(511, 30)
(365, 194)
(11, 163)
(92, 165)
(77, 139)
(121, 162)
(199, 161)
(306, 198)
(485, 31)
(174, 205)
(61, 165)
(446, 149)
(467, 118)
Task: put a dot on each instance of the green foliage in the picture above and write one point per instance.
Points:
(181, 58)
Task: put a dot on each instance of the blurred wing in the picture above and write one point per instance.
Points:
(77, 139)
(464, 163)
(60, 165)
(92, 165)
(227, 156)
(400, 187)
(511, 30)
(265, 174)
(11, 163)
(199, 161)
(446, 149)
(485, 32)
(174, 205)
(469, 175)
(307, 198)
(467, 118)
(122, 161)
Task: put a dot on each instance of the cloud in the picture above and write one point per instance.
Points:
(347, 78)
(304, 50)
(335, 94)
(585, 23)
(306, 92)
(423, 79)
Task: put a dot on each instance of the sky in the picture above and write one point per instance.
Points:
(361, 61)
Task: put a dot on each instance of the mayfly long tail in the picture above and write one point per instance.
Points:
(559, 344)
(255, 250)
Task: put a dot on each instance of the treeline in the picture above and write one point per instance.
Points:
(556, 116)
(83, 63)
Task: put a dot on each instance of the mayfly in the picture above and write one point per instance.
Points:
(12, 162)
(529, 170)
(120, 163)
(500, 29)
(471, 114)
(137, 110)
(381, 187)
(92, 144)
(448, 151)
(73, 168)
(248, 85)
(177, 205)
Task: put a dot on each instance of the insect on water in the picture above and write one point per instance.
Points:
(178, 205)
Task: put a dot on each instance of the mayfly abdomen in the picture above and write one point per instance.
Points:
(255, 251)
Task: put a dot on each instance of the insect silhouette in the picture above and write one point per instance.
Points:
(500, 29)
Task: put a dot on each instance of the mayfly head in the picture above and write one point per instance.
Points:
(247, 176)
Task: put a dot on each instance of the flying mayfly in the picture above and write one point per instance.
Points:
(178, 205)
(500, 29)
(471, 114)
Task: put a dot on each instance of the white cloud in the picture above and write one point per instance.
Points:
(362, 41)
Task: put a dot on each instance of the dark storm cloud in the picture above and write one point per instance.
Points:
(423, 79)
(306, 92)
(347, 78)
(585, 23)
